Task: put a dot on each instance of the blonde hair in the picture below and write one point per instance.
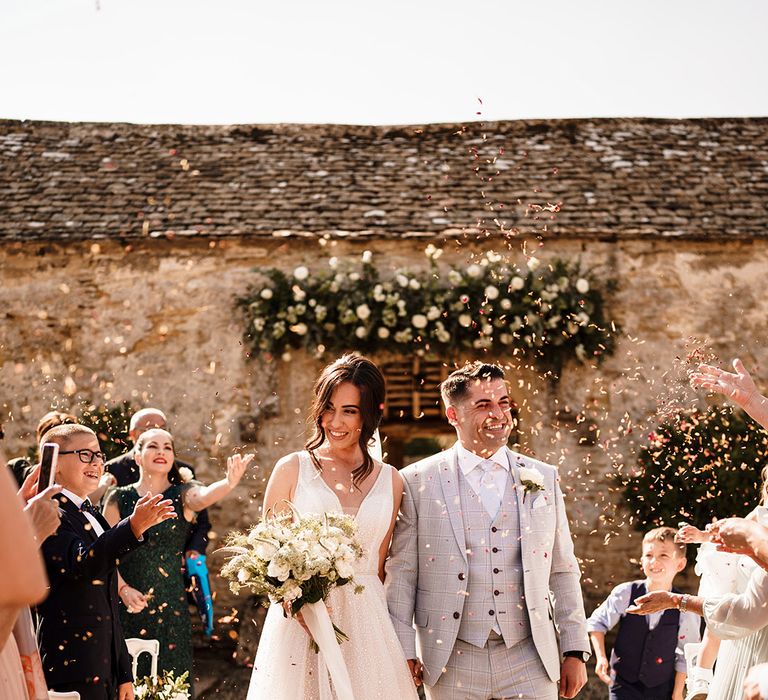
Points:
(63, 434)
(665, 534)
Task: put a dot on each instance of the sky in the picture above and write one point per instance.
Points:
(393, 62)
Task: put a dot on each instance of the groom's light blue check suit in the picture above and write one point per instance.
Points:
(429, 572)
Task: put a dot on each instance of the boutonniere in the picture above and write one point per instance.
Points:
(532, 481)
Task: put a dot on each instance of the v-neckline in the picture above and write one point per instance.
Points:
(336, 496)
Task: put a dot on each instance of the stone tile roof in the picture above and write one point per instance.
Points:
(605, 178)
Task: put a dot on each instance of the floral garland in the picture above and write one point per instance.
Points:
(550, 312)
(163, 687)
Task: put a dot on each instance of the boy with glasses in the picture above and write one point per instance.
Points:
(81, 641)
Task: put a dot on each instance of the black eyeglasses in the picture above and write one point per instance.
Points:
(86, 456)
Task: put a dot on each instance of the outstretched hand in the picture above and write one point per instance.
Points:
(236, 466)
(738, 386)
(690, 534)
(150, 511)
(653, 602)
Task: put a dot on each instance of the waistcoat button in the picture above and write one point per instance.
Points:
(456, 616)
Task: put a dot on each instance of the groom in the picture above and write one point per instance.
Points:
(482, 561)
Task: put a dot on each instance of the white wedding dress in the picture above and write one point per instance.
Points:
(285, 668)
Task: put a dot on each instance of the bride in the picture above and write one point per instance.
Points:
(336, 473)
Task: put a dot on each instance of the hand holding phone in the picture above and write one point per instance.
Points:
(48, 459)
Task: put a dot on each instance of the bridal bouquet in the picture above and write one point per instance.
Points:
(294, 558)
(163, 687)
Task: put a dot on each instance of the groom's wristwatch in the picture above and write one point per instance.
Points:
(582, 656)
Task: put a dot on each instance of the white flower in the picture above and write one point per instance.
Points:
(334, 287)
(298, 293)
(363, 312)
(493, 257)
(383, 332)
(367, 256)
(506, 338)
(402, 280)
(582, 285)
(301, 273)
(243, 575)
(266, 293)
(465, 320)
(432, 252)
(419, 321)
(414, 283)
(286, 357)
(354, 276)
(344, 567)
(491, 292)
(333, 263)
(378, 293)
(360, 332)
(454, 277)
(186, 474)
(533, 263)
(517, 283)
(291, 591)
(474, 271)
(433, 313)
(534, 476)
(279, 569)
(505, 304)
(300, 329)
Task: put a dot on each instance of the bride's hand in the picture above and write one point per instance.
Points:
(287, 611)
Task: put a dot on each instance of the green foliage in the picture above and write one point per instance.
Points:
(110, 423)
(550, 313)
(698, 466)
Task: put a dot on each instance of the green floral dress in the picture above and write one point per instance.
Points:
(155, 569)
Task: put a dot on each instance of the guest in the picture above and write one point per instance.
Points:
(647, 661)
(732, 616)
(156, 570)
(23, 582)
(123, 470)
(81, 640)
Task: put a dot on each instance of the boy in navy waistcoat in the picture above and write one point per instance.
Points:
(647, 660)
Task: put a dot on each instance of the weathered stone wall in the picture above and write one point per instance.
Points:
(154, 324)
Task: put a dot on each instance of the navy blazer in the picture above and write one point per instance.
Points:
(80, 635)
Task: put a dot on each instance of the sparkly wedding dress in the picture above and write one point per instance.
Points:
(285, 668)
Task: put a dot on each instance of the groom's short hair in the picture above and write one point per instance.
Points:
(457, 383)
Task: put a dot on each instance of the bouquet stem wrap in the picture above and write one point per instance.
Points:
(330, 662)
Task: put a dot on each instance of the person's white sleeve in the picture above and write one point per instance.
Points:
(688, 633)
(764, 683)
(609, 612)
(736, 616)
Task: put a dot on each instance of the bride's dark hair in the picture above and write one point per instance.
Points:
(369, 380)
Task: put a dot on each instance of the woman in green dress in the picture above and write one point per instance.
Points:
(159, 602)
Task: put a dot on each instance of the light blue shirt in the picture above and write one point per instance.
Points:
(614, 607)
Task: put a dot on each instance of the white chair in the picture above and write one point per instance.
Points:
(136, 647)
(53, 695)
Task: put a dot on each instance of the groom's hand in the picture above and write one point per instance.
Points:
(416, 669)
(573, 676)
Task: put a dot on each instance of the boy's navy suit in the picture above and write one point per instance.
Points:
(81, 640)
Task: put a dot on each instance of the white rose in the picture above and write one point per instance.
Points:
(419, 321)
(506, 304)
(532, 475)
(300, 329)
(344, 567)
(517, 283)
(291, 591)
(264, 549)
(383, 332)
(279, 569)
(582, 285)
(360, 332)
(491, 292)
(286, 357)
(454, 277)
(243, 575)
(402, 280)
(301, 273)
(433, 313)
(533, 263)
(354, 276)
(333, 263)
(414, 284)
(363, 312)
(474, 271)
(465, 320)
(299, 294)
(266, 293)
(367, 256)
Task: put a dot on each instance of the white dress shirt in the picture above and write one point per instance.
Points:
(469, 463)
(97, 528)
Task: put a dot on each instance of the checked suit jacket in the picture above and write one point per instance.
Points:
(81, 639)
(427, 570)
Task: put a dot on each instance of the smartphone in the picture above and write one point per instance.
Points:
(48, 466)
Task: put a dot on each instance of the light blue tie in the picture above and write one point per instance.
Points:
(489, 492)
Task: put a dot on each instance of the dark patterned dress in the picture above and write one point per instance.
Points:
(155, 570)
